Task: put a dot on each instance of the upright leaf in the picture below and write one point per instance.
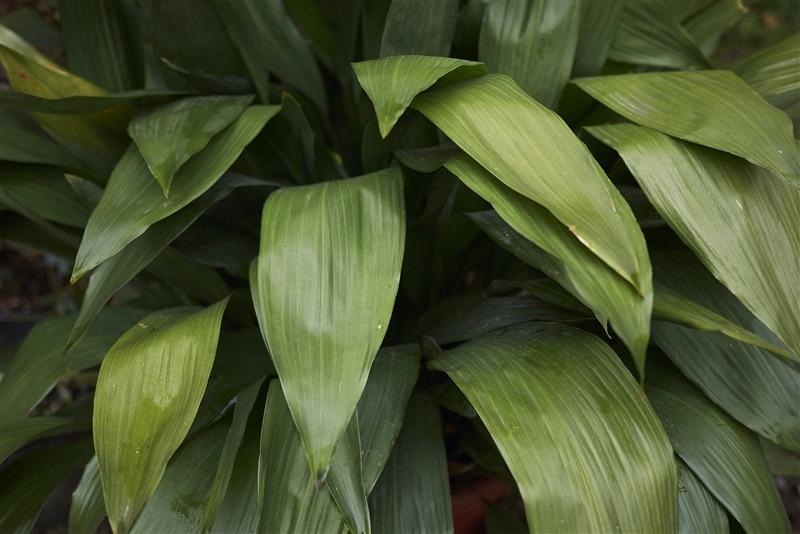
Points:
(345, 480)
(113, 223)
(774, 72)
(572, 426)
(599, 22)
(712, 108)
(327, 277)
(699, 510)
(169, 135)
(87, 508)
(737, 218)
(419, 28)
(148, 391)
(533, 42)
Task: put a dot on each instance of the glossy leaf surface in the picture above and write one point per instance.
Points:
(148, 391)
(573, 427)
(327, 277)
(712, 108)
(736, 217)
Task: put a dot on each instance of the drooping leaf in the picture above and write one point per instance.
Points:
(564, 257)
(40, 362)
(16, 433)
(419, 28)
(648, 34)
(774, 72)
(178, 504)
(753, 385)
(100, 44)
(533, 42)
(26, 483)
(723, 454)
(169, 135)
(268, 40)
(599, 22)
(736, 217)
(532, 151)
(412, 494)
(393, 82)
(382, 405)
(699, 510)
(287, 498)
(244, 405)
(24, 141)
(327, 277)
(573, 427)
(87, 508)
(714, 108)
(148, 390)
(113, 224)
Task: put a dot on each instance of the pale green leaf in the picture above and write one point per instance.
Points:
(723, 454)
(423, 28)
(737, 218)
(531, 150)
(382, 405)
(564, 257)
(753, 385)
(413, 492)
(599, 22)
(288, 499)
(327, 276)
(533, 42)
(268, 40)
(100, 42)
(40, 361)
(178, 504)
(712, 108)
(244, 405)
(26, 483)
(649, 34)
(148, 391)
(774, 72)
(133, 201)
(699, 510)
(87, 508)
(167, 136)
(393, 82)
(584, 446)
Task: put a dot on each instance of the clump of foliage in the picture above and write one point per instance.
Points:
(333, 247)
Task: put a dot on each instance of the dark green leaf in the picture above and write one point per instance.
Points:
(774, 73)
(699, 510)
(599, 22)
(423, 28)
(88, 507)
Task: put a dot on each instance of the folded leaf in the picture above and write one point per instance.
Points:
(573, 428)
(148, 391)
(712, 108)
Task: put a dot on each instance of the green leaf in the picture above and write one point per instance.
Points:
(532, 151)
(382, 405)
(723, 454)
(570, 421)
(113, 224)
(87, 508)
(16, 433)
(24, 141)
(564, 257)
(699, 510)
(45, 192)
(239, 510)
(244, 405)
(712, 108)
(746, 381)
(393, 82)
(413, 492)
(533, 42)
(649, 34)
(345, 480)
(707, 25)
(40, 361)
(26, 483)
(736, 217)
(327, 277)
(267, 38)
(774, 72)
(419, 28)
(332, 27)
(178, 504)
(148, 391)
(599, 22)
(169, 135)
(287, 498)
(100, 43)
